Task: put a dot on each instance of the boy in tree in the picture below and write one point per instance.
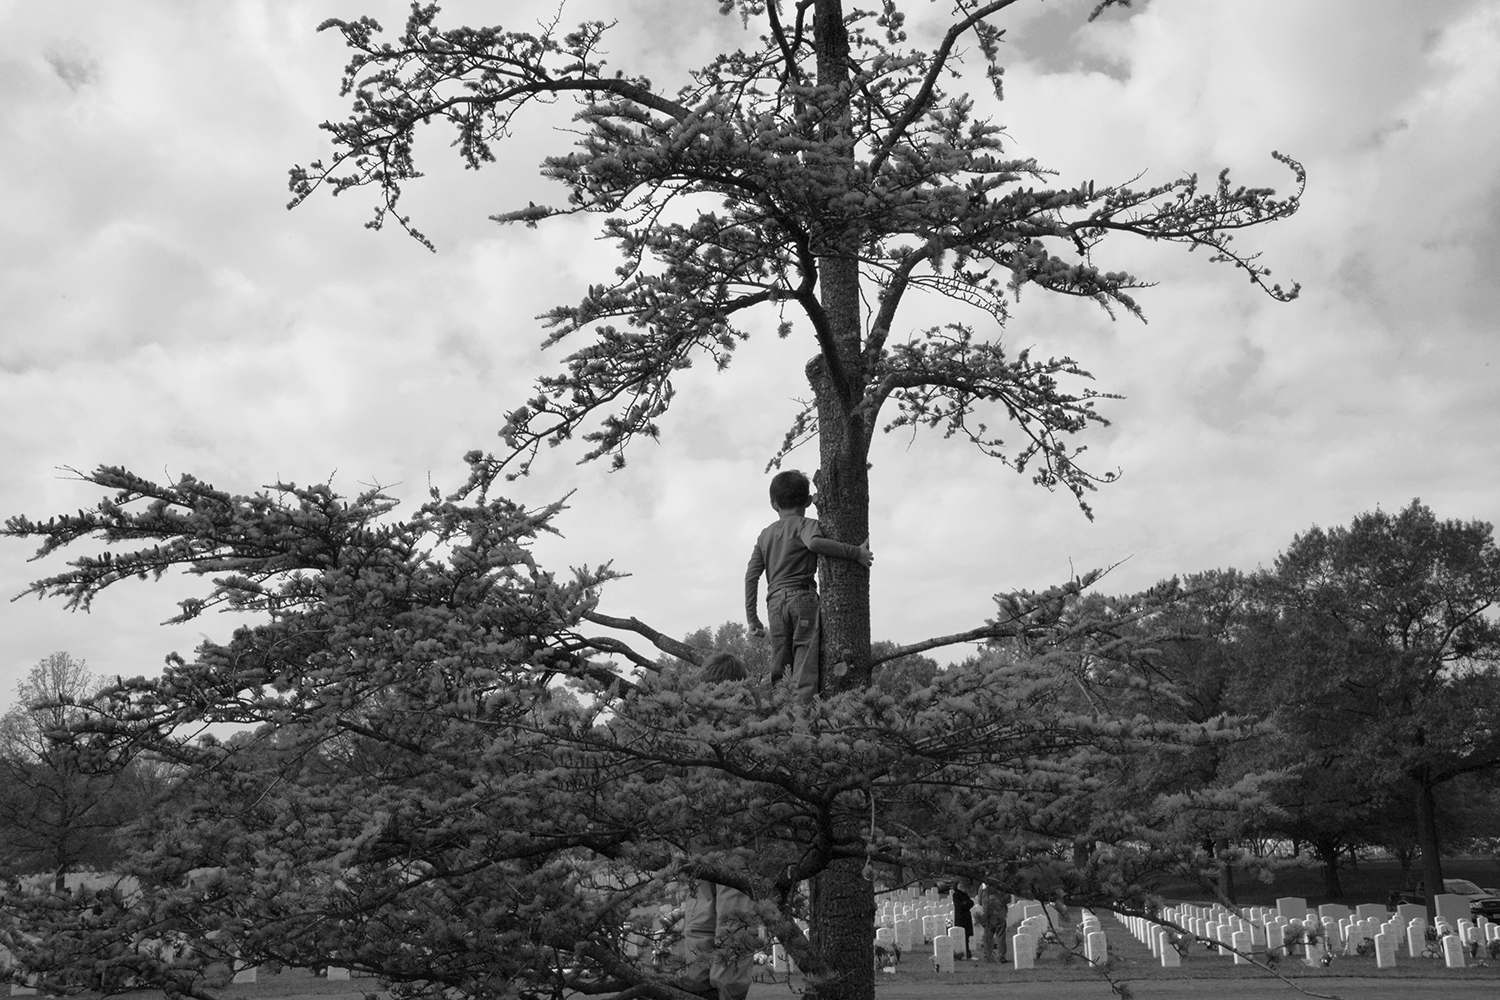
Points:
(787, 552)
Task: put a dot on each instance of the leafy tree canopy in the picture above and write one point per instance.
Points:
(418, 796)
(825, 157)
(1388, 652)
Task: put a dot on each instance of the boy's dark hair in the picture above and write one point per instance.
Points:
(790, 489)
(722, 667)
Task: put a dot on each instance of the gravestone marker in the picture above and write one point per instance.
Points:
(1452, 907)
(942, 953)
(1453, 951)
(1241, 942)
(1023, 951)
(1416, 937)
(1410, 911)
(1385, 950)
(1334, 910)
(1291, 907)
(1095, 947)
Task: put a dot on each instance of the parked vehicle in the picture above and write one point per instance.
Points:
(1482, 902)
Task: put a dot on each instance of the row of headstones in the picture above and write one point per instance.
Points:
(1337, 929)
(1031, 919)
(913, 917)
(1037, 921)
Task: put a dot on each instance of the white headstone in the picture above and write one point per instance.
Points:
(904, 929)
(1365, 911)
(1340, 933)
(1416, 937)
(1453, 907)
(1385, 951)
(1453, 951)
(336, 973)
(246, 975)
(1334, 910)
(1023, 951)
(942, 953)
(1095, 947)
(1241, 943)
(1170, 959)
(1410, 911)
(1290, 907)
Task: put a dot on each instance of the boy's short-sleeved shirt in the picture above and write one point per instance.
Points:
(787, 552)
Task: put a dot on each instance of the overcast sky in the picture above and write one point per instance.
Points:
(160, 309)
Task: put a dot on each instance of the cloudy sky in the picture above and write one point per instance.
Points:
(160, 308)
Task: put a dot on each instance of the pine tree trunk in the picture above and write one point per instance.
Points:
(844, 512)
(843, 931)
(843, 901)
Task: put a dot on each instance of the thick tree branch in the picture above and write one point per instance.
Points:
(663, 642)
(984, 633)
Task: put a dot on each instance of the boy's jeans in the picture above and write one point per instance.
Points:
(794, 628)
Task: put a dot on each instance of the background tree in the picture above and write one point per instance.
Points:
(1390, 653)
(59, 811)
(822, 171)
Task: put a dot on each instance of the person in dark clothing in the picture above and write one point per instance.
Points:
(963, 916)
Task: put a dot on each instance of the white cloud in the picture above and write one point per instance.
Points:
(161, 309)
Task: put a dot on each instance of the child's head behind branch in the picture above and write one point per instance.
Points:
(723, 667)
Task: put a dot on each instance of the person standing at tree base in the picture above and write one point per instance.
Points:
(787, 553)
